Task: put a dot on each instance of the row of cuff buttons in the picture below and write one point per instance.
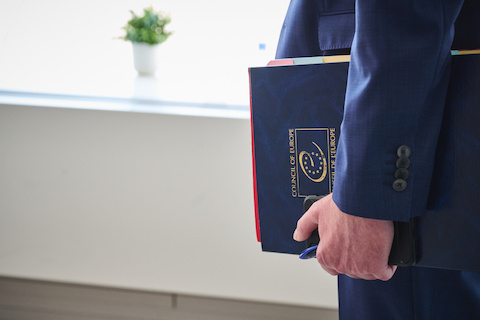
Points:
(403, 162)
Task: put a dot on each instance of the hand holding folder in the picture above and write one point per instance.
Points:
(347, 246)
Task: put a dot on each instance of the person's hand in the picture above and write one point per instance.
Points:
(355, 246)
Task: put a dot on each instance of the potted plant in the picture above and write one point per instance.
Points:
(146, 33)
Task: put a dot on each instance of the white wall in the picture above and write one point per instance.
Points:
(142, 201)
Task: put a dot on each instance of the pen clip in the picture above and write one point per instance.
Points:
(309, 253)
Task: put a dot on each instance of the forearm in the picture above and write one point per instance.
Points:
(395, 96)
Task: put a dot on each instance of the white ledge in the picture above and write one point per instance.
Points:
(27, 98)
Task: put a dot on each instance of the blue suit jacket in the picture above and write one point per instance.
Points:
(400, 60)
(397, 83)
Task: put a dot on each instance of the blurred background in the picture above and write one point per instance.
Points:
(57, 45)
(124, 196)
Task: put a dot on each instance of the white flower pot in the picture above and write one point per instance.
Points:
(145, 58)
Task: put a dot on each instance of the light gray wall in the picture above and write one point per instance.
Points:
(140, 201)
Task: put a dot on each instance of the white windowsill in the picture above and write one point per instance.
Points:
(123, 104)
(109, 82)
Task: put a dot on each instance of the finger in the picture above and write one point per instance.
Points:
(330, 271)
(386, 273)
(361, 276)
(306, 225)
(321, 260)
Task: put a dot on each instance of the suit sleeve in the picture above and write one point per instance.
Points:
(394, 104)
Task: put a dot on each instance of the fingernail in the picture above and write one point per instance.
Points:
(295, 235)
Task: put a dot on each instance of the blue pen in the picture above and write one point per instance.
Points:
(309, 253)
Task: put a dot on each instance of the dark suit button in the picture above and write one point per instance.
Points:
(401, 173)
(403, 151)
(399, 185)
(403, 162)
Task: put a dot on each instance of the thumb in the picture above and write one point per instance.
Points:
(306, 224)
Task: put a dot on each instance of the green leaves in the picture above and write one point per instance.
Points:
(149, 28)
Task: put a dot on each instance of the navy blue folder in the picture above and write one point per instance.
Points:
(296, 115)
